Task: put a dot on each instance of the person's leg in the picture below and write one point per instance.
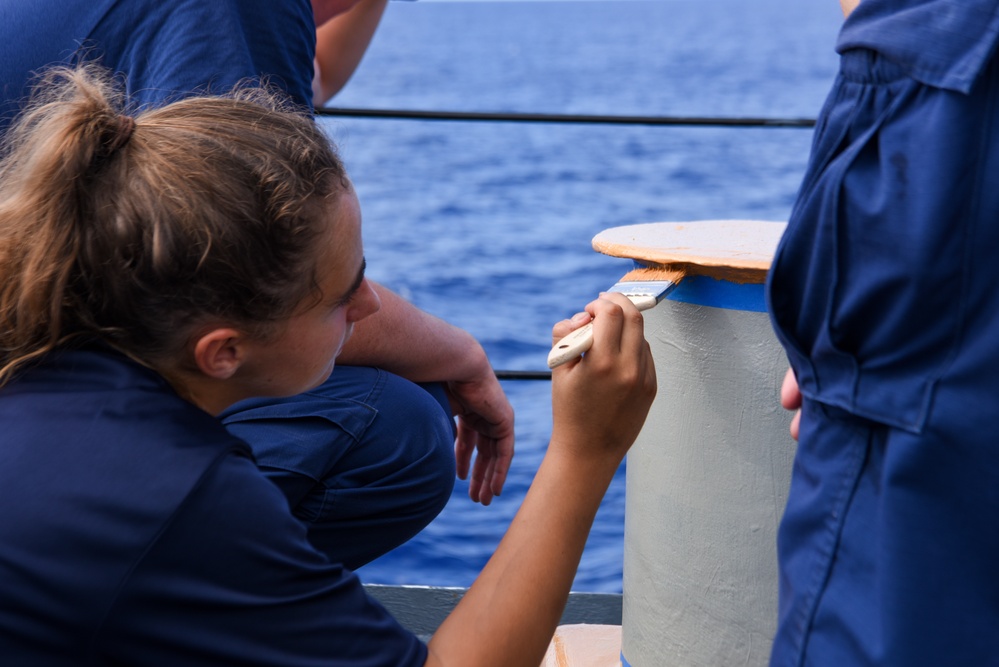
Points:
(366, 459)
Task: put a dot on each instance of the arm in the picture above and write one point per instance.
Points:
(599, 404)
(340, 44)
(406, 341)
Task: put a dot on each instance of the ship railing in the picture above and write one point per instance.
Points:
(597, 119)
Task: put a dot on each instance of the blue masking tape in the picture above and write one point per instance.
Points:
(707, 291)
(624, 663)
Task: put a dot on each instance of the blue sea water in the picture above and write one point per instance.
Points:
(488, 225)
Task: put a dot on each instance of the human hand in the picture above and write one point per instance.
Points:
(790, 399)
(601, 400)
(485, 425)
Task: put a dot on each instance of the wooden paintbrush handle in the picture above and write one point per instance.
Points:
(573, 345)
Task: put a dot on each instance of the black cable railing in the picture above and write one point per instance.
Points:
(523, 375)
(497, 116)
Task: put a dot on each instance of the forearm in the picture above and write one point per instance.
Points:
(509, 615)
(599, 403)
(414, 344)
(340, 46)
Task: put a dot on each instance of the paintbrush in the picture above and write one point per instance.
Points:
(645, 287)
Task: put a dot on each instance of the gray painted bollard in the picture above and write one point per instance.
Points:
(708, 477)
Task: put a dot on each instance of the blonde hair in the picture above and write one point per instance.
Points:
(135, 231)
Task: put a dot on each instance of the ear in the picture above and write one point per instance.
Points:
(220, 352)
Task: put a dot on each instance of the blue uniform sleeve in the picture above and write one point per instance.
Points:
(232, 579)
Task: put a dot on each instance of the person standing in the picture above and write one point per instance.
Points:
(883, 293)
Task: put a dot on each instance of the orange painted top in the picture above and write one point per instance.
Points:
(735, 250)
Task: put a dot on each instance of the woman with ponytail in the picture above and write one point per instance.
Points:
(156, 269)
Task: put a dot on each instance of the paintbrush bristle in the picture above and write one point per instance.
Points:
(647, 286)
(644, 274)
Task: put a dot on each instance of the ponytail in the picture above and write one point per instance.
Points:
(134, 230)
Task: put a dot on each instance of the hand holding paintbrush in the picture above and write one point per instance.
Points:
(645, 288)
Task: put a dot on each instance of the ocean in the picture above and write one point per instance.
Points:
(488, 224)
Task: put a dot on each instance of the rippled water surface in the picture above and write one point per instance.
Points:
(488, 225)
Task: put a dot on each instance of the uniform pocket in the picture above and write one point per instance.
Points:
(865, 288)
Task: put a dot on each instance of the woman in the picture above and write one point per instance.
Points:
(155, 271)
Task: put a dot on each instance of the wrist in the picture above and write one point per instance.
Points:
(592, 453)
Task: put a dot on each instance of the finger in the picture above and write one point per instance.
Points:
(501, 464)
(478, 476)
(649, 369)
(474, 488)
(486, 491)
(633, 330)
(790, 394)
(796, 424)
(608, 321)
(464, 445)
(565, 327)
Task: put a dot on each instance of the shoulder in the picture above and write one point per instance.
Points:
(164, 51)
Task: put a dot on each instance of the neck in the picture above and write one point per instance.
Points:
(203, 392)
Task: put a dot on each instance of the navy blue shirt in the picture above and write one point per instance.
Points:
(163, 49)
(137, 531)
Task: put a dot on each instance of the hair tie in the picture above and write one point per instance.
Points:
(126, 126)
